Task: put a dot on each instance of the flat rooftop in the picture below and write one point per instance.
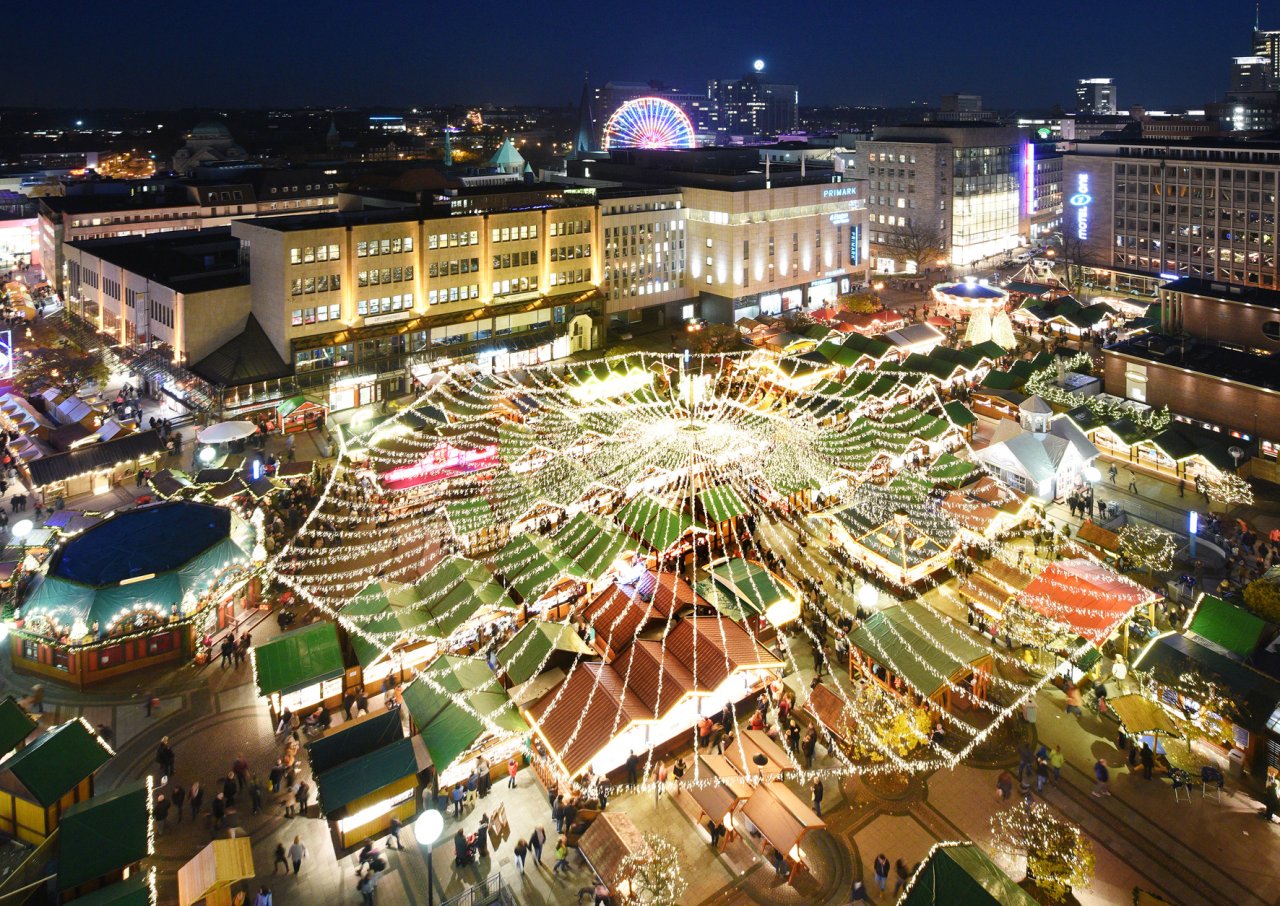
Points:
(1253, 369)
(187, 261)
(1246, 295)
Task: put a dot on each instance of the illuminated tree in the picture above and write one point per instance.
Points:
(859, 303)
(1002, 331)
(917, 242)
(60, 366)
(713, 338)
(1059, 856)
(1147, 547)
(1227, 488)
(652, 876)
(1262, 596)
(1205, 710)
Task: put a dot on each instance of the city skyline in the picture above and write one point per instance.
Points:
(413, 65)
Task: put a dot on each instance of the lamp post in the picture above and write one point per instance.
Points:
(426, 830)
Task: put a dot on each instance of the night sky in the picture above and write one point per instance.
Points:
(1168, 54)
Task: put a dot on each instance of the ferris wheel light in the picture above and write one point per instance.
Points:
(648, 123)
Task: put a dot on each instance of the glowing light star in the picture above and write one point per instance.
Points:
(758, 65)
(648, 123)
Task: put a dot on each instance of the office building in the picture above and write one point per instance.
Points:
(750, 106)
(1097, 96)
(1204, 208)
(962, 185)
(144, 207)
(1042, 166)
(1266, 47)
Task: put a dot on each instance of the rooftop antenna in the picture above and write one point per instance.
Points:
(1257, 15)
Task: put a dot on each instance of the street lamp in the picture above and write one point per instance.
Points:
(426, 830)
(868, 596)
(22, 528)
(207, 455)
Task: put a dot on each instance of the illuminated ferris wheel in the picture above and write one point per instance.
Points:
(648, 123)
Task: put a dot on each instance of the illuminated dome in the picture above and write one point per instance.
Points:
(209, 132)
(648, 123)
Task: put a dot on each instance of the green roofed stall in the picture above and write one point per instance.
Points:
(448, 730)
(721, 504)
(137, 891)
(105, 834)
(57, 762)
(1227, 626)
(656, 525)
(469, 516)
(15, 725)
(593, 543)
(339, 787)
(535, 647)
(353, 739)
(453, 593)
(533, 565)
(961, 874)
(299, 658)
(914, 642)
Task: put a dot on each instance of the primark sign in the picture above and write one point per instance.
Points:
(840, 192)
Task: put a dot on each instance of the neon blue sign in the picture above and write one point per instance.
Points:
(1081, 200)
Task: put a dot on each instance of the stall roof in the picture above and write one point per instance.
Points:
(354, 738)
(453, 593)
(830, 711)
(1140, 714)
(959, 413)
(15, 725)
(780, 815)
(611, 837)
(56, 762)
(530, 648)
(749, 584)
(471, 515)
(532, 565)
(104, 834)
(654, 523)
(94, 457)
(447, 729)
(913, 641)
(1232, 628)
(298, 659)
(961, 874)
(721, 504)
(138, 890)
(1087, 597)
(593, 543)
(375, 623)
(339, 787)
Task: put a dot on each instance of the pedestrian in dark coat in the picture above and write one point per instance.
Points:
(177, 796)
(196, 798)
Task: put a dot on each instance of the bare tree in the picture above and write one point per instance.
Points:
(1076, 260)
(918, 242)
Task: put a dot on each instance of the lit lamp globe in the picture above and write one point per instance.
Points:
(207, 454)
(427, 828)
(1092, 474)
(22, 528)
(868, 597)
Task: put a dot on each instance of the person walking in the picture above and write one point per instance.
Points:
(903, 875)
(537, 840)
(302, 795)
(297, 852)
(219, 810)
(255, 793)
(562, 856)
(1102, 778)
(660, 780)
(858, 894)
(281, 859)
(521, 851)
(1148, 759)
(165, 757)
(367, 885)
(160, 811)
(456, 798)
(1042, 773)
(394, 833)
(196, 798)
(881, 871)
(818, 791)
(633, 763)
(512, 769)
(1056, 761)
(264, 896)
(1074, 700)
(240, 767)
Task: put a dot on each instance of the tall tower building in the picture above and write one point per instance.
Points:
(1097, 96)
(1267, 44)
(752, 106)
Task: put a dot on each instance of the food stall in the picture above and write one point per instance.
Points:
(298, 413)
(300, 670)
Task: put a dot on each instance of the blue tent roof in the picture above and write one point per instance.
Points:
(971, 291)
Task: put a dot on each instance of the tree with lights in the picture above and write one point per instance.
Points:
(1262, 596)
(713, 338)
(1204, 711)
(1227, 488)
(651, 875)
(62, 366)
(1059, 856)
(859, 303)
(918, 242)
(1147, 547)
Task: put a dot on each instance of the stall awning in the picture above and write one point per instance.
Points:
(57, 762)
(94, 458)
(962, 873)
(531, 647)
(298, 659)
(1139, 714)
(448, 729)
(911, 640)
(658, 526)
(1232, 628)
(354, 738)
(215, 868)
(780, 815)
(104, 834)
(722, 504)
(339, 787)
(717, 791)
(532, 565)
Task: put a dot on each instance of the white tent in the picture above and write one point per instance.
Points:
(225, 432)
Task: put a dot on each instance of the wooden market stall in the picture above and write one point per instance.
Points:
(366, 774)
(42, 781)
(300, 670)
(606, 844)
(209, 877)
(102, 841)
(782, 819)
(298, 413)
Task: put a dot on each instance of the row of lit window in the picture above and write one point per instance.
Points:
(301, 316)
(384, 305)
(453, 294)
(452, 240)
(570, 227)
(309, 254)
(321, 284)
(385, 275)
(384, 246)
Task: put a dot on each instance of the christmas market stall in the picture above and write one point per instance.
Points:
(387, 634)
(133, 592)
(300, 670)
(538, 656)
(718, 790)
(210, 875)
(366, 774)
(540, 574)
(749, 593)
(463, 715)
(904, 544)
(962, 873)
(783, 820)
(101, 841)
(40, 782)
(298, 413)
(911, 650)
(97, 467)
(606, 844)
(1086, 599)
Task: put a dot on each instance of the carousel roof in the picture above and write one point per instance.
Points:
(972, 291)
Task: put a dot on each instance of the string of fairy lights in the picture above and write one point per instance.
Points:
(591, 440)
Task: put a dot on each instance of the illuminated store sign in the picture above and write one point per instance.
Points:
(1081, 201)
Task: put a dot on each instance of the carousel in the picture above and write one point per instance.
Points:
(133, 592)
(969, 296)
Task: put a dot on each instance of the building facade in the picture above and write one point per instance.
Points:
(963, 184)
(1205, 209)
(1097, 96)
(752, 106)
